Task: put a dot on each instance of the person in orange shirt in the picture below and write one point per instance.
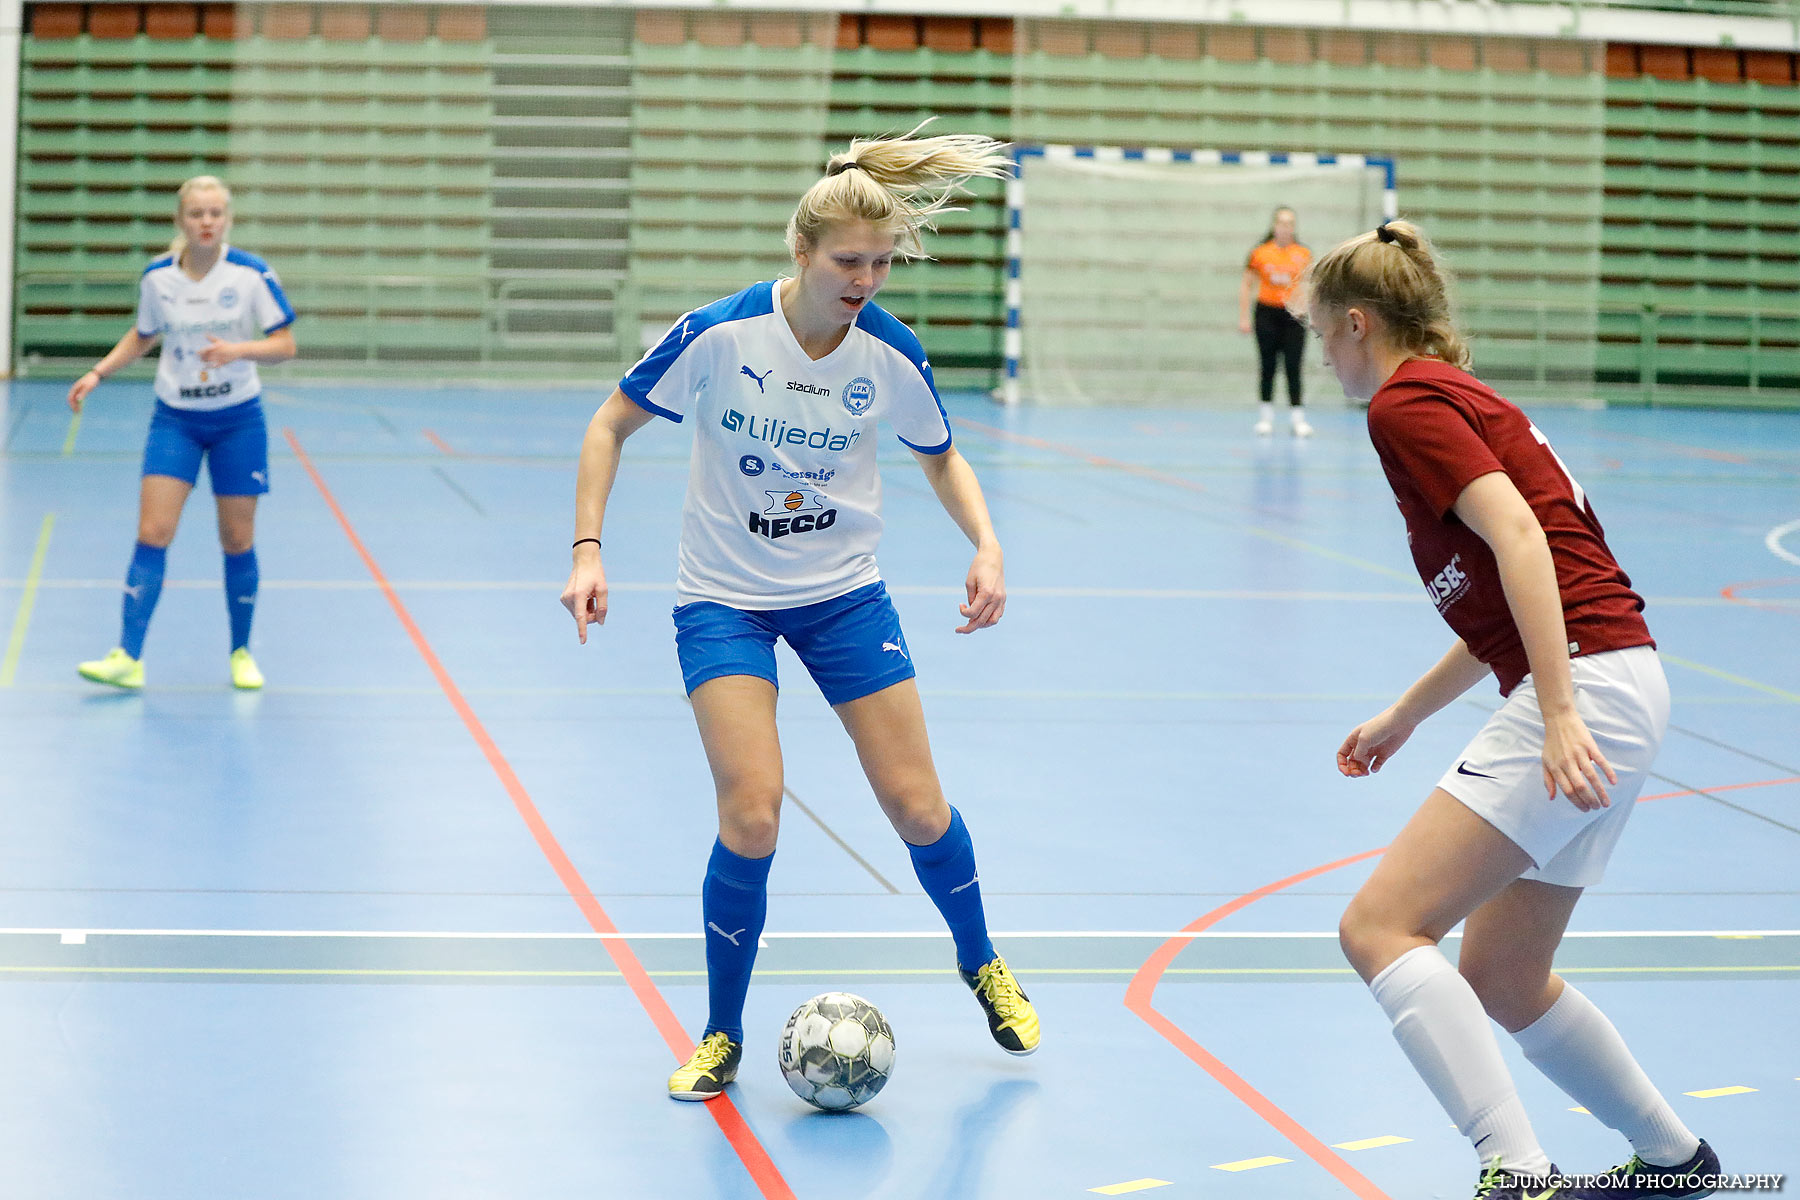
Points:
(1269, 274)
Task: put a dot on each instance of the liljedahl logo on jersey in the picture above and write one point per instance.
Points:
(778, 432)
(859, 395)
(787, 512)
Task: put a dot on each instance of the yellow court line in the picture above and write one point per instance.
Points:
(1250, 1164)
(1728, 677)
(1579, 1109)
(1710, 1093)
(1135, 1185)
(1373, 1143)
(15, 644)
(74, 432)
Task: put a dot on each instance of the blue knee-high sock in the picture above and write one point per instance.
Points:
(241, 578)
(946, 868)
(143, 584)
(734, 900)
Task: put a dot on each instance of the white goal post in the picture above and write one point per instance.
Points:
(1123, 265)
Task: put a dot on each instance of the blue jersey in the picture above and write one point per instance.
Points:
(784, 500)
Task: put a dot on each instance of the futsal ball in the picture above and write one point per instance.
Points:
(837, 1051)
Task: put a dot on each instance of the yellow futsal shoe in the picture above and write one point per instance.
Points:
(713, 1064)
(1011, 1019)
(118, 669)
(244, 674)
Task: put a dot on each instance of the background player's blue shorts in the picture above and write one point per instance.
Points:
(852, 645)
(234, 441)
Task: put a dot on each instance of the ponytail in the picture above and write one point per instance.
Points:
(1393, 272)
(198, 183)
(899, 184)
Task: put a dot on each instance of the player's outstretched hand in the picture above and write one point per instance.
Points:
(1573, 764)
(1372, 743)
(219, 352)
(78, 392)
(585, 595)
(986, 586)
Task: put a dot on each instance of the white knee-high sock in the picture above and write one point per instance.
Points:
(1578, 1050)
(1441, 1026)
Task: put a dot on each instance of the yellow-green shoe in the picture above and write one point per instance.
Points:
(118, 669)
(244, 674)
(1011, 1019)
(713, 1064)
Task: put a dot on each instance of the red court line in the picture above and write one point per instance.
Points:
(1096, 460)
(1138, 1000)
(737, 1131)
(1731, 593)
(435, 440)
(1727, 787)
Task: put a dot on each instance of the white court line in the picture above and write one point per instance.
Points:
(1774, 540)
(837, 935)
(551, 586)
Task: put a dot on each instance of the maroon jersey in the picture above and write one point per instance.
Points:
(1438, 429)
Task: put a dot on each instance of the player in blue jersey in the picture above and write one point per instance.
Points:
(786, 381)
(218, 312)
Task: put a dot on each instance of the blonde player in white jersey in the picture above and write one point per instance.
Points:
(786, 381)
(218, 311)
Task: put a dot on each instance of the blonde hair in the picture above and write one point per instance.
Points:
(898, 184)
(198, 183)
(1394, 273)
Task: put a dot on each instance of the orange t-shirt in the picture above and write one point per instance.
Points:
(1277, 267)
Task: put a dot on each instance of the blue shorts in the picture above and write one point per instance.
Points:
(852, 645)
(234, 441)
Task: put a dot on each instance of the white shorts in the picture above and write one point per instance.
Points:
(1624, 700)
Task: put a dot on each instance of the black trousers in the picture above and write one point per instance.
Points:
(1279, 335)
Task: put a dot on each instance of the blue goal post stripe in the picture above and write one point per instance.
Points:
(1015, 203)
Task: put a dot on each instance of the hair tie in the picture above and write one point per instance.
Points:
(1385, 234)
(840, 168)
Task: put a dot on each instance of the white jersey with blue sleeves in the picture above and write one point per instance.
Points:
(239, 300)
(784, 499)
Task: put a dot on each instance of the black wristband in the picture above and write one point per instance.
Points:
(578, 542)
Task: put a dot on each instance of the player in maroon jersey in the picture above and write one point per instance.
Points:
(1517, 564)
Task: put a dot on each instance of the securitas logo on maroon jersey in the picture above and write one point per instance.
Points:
(1448, 585)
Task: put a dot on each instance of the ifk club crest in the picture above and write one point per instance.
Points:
(859, 395)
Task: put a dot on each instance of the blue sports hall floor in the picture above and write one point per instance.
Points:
(420, 919)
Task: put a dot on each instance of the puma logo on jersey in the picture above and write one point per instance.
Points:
(760, 379)
(685, 335)
(730, 937)
(897, 649)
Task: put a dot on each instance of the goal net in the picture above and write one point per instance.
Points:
(1124, 266)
